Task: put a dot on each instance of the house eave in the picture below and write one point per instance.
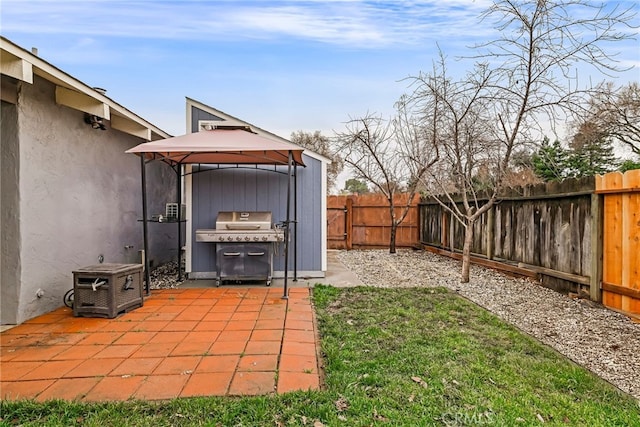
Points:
(22, 65)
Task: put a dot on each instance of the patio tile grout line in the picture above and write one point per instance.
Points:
(195, 367)
(235, 371)
(284, 329)
(316, 343)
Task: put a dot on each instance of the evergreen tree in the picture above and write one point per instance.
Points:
(549, 162)
(355, 186)
(592, 153)
(628, 165)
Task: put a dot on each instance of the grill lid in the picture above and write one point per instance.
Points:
(236, 220)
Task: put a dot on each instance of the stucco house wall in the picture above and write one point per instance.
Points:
(70, 197)
(9, 212)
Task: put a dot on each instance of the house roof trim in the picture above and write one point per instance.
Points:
(22, 65)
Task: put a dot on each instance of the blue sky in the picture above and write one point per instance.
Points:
(281, 65)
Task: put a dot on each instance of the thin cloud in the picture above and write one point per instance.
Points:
(347, 23)
(312, 24)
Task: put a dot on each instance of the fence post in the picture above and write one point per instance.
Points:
(597, 219)
(490, 233)
(419, 226)
(444, 236)
(452, 240)
(348, 229)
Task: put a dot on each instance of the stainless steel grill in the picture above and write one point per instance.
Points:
(244, 245)
(241, 227)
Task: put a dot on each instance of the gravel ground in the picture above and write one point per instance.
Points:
(601, 340)
(165, 276)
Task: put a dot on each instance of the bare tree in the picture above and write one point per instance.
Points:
(522, 79)
(391, 155)
(615, 113)
(320, 144)
(456, 111)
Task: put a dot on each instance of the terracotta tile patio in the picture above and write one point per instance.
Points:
(181, 343)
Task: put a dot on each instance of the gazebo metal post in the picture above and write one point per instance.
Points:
(295, 222)
(286, 228)
(145, 233)
(179, 179)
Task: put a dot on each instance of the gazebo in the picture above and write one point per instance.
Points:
(236, 145)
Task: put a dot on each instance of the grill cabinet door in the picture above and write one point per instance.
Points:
(230, 260)
(257, 262)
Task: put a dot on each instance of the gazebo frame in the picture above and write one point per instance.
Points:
(236, 146)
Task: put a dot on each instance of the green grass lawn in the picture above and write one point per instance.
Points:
(401, 357)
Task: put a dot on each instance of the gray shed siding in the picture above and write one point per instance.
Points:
(197, 114)
(233, 189)
(257, 189)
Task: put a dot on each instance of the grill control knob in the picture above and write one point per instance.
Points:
(238, 238)
(264, 238)
(256, 238)
(229, 238)
(221, 238)
(247, 238)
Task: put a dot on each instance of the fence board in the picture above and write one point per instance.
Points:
(336, 224)
(548, 226)
(631, 245)
(612, 238)
(621, 241)
(364, 222)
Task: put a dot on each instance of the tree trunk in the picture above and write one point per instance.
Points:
(466, 252)
(392, 241)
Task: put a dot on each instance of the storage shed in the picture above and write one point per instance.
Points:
(210, 189)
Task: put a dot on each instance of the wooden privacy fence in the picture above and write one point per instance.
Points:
(577, 236)
(544, 229)
(621, 240)
(363, 221)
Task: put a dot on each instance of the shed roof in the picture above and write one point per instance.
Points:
(229, 120)
(220, 146)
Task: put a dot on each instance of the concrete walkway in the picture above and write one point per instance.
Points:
(337, 275)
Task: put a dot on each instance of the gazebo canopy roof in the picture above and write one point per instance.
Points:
(220, 146)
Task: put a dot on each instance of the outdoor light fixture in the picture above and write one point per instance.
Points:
(95, 121)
